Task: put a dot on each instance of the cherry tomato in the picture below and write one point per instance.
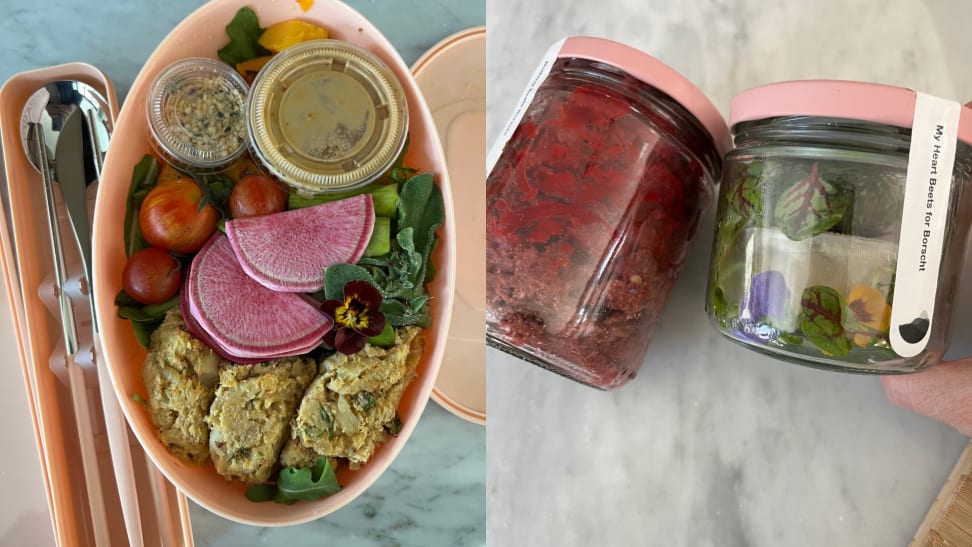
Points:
(171, 220)
(256, 194)
(151, 276)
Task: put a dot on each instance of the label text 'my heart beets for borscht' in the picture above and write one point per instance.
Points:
(924, 219)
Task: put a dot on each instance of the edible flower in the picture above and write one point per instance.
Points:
(767, 296)
(356, 317)
(871, 311)
(763, 303)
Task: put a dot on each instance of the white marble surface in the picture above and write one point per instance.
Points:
(712, 444)
(433, 494)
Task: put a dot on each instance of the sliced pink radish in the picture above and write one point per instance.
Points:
(192, 326)
(289, 251)
(241, 317)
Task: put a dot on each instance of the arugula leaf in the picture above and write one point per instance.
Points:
(261, 492)
(244, 31)
(144, 177)
(295, 484)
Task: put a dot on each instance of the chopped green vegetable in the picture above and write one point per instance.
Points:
(139, 399)
(261, 492)
(384, 340)
(384, 196)
(380, 242)
(244, 32)
(144, 177)
(394, 427)
(366, 401)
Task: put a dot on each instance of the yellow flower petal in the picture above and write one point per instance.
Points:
(870, 307)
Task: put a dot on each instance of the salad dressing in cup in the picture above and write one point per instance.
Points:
(326, 115)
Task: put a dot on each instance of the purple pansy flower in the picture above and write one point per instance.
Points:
(764, 301)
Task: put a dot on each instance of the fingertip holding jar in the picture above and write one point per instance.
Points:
(592, 203)
(836, 246)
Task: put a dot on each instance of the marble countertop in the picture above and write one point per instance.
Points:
(712, 444)
(433, 493)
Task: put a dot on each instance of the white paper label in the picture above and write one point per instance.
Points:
(539, 75)
(924, 219)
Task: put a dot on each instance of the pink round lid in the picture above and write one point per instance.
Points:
(657, 74)
(879, 103)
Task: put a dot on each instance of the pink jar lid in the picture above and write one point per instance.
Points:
(879, 103)
(656, 74)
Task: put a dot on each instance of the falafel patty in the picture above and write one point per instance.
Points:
(250, 419)
(345, 410)
(179, 375)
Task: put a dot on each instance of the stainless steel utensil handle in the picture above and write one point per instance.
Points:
(68, 325)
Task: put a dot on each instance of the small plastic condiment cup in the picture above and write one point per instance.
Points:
(593, 196)
(326, 115)
(195, 111)
(841, 225)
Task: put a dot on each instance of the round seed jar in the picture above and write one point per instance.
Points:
(593, 196)
(195, 111)
(841, 228)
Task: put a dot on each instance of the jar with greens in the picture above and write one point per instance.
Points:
(841, 224)
(593, 198)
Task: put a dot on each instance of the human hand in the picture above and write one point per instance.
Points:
(943, 392)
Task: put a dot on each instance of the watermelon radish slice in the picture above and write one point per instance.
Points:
(192, 326)
(289, 251)
(244, 319)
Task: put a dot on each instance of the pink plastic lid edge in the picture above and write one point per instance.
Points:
(879, 103)
(657, 74)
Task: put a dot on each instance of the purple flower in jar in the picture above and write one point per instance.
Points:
(764, 302)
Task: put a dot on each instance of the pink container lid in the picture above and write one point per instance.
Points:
(657, 74)
(879, 103)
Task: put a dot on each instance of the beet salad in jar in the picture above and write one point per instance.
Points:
(593, 197)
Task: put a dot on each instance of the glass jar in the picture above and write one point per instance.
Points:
(195, 114)
(593, 196)
(813, 212)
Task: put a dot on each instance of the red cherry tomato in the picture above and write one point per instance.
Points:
(171, 220)
(256, 194)
(151, 276)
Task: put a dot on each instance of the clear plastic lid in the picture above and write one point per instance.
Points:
(195, 111)
(326, 115)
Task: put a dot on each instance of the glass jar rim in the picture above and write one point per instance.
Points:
(655, 73)
(852, 100)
